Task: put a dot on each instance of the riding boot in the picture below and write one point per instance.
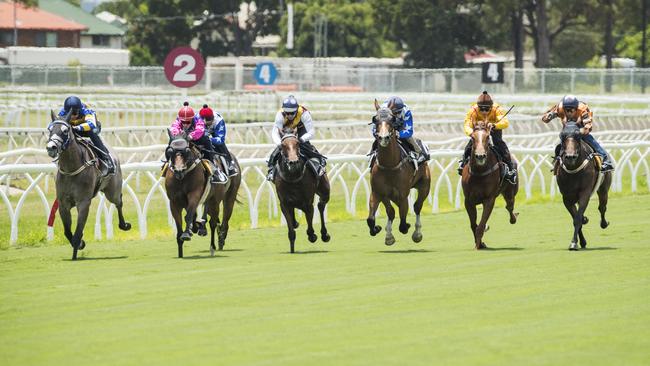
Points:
(107, 159)
(465, 158)
(511, 173)
(217, 176)
(415, 149)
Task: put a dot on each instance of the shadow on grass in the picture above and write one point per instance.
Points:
(589, 249)
(308, 252)
(404, 251)
(203, 256)
(223, 250)
(491, 249)
(80, 258)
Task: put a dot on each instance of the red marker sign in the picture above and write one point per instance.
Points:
(184, 67)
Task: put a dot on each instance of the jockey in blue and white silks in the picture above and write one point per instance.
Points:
(404, 119)
(84, 122)
(215, 129)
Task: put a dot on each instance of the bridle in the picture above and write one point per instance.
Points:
(574, 134)
(184, 152)
(288, 164)
(488, 146)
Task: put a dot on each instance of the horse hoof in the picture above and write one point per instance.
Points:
(186, 236)
(389, 241)
(573, 246)
(404, 228)
(125, 227)
(481, 246)
(417, 237)
(202, 231)
(585, 220)
(513, 218)
(82, 245)
(312, 238)
(374, 231)
(325, 237)
(604, 224)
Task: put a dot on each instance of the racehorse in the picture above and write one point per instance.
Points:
(578, 177)
(187, 182)
(296, 184)
(392, 177)
(79, 178)
(482, 181)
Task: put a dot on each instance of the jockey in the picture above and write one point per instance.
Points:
(404, 119)
(571, 109)
(84, 123)
(294, 116)
(193, 127)
(216, 132)
(486, 110)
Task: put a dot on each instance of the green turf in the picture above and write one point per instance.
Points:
(351, 301)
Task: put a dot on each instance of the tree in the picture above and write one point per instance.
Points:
(351, 30)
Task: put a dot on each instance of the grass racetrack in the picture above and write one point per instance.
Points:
(528, 301)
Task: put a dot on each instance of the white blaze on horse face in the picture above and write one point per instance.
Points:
(383, 133)
(291, 149)
(179, 163)
(570, 147)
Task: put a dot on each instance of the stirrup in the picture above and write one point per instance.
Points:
(218, 177)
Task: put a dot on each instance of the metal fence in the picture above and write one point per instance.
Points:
(321, 77)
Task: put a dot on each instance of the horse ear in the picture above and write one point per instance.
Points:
(169, 133)
(52, 115)
(376, 104)
(68, 116)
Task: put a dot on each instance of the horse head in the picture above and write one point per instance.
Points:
(481, 142)
(570, 138)
(179, 153)
(60, 135)
(385, 124)
(290, 148)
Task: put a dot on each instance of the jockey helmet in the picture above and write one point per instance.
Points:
(186, 114)
(72, 103)
(484, 101)
(570, 101)
(290, 105)
(396, 105)
(206, 113)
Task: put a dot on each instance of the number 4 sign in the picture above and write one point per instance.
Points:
(265, 73)
(492, 73)
(184, 67)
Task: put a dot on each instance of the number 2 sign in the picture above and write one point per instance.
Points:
(184, 67)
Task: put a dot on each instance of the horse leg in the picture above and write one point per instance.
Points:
(471, 213)
(190, 215)
(603, 193)
(582, 207)
(214, 222)
(423, 187)
(228, 208)
(309, 216)
(200, 227)
(114, 195)
(177, 214)
(488, 205)
(372, 208)
(403, 211)
(82, 215)
(390, 213)
(323, 199)
(288, 213)
(66, 218)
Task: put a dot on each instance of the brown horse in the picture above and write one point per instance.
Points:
(578, 177)
(296, 184)
(482, 183)
(187, 185)
(79, 179)
(391, 180)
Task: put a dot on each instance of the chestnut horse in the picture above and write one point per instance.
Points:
(187, 182)
(578, 178)
(296, 184)
(391, 180)
(482, 183)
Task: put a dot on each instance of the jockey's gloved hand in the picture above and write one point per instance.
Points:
(78, 128)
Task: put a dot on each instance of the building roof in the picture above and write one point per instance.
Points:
(34, 18)
(95, 25)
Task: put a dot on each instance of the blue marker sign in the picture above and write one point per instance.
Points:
(265, 73)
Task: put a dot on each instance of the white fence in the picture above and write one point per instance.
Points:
(348, 174)
(322, 77)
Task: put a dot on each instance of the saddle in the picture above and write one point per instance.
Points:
(97, 154)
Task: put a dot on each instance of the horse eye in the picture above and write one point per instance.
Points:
(64, 129)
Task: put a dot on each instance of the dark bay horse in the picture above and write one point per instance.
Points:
(391, 180)
(187, 182)
(482, 183)
(296, 184)
(578, 177)
(79, 179)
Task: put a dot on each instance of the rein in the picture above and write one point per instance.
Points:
(490, 171)
(581, 167)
